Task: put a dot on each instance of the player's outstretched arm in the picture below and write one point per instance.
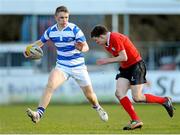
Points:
(122, 57)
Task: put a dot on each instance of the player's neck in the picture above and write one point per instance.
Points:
(60, 27)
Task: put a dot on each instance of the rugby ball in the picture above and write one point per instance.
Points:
(34, 51)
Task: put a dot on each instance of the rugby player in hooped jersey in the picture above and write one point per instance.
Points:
(132, 73)
(70, 42)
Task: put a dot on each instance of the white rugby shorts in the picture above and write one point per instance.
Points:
(80, 74)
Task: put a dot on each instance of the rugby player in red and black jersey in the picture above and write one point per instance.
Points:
(132, 73)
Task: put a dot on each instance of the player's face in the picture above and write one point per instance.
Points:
(62, 19)
(100, 40)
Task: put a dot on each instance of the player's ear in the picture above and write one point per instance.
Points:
(103, 36)
(100, 36)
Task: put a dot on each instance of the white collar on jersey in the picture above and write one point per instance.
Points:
(60, 29)
(108, 38)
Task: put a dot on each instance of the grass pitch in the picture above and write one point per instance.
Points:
(81, 119)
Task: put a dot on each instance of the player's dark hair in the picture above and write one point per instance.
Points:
(61, 9)
(98, 30)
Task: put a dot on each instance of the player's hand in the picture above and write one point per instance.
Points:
(27, 53)
(79, 46)
(33, 51)
(101, 61)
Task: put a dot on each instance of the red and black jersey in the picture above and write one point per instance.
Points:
(118, 42)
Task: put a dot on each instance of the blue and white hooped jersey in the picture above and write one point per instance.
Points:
(64, 40)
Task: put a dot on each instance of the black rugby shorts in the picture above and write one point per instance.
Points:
(136, 73)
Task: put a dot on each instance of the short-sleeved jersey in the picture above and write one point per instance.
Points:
(118, 42)
(64, 40)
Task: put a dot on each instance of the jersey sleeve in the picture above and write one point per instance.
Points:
(45, 37)
(79, 35)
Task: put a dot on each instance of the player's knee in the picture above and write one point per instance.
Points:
(118, 95)
(137, 99)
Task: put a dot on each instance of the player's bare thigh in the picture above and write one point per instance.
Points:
(56, 78)
(122, 86)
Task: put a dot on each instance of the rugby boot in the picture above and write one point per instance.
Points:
(103, 115)
(134, 124)
(33, 115)
(169, 106)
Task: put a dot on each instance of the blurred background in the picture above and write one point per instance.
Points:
(153, 26)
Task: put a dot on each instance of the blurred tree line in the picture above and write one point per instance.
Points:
(155, 28)
(151, 27)
(10, 27)
(142, 27)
